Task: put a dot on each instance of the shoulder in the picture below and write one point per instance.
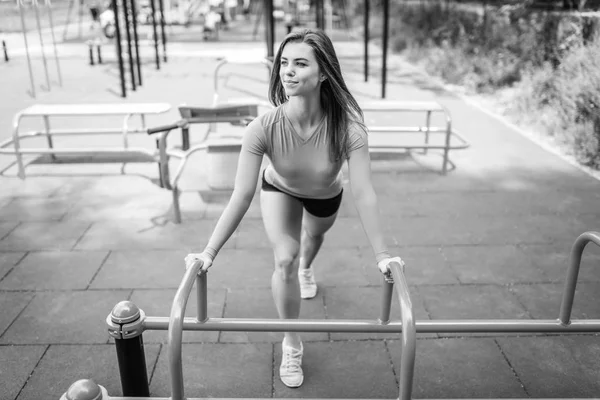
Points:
(357, 136)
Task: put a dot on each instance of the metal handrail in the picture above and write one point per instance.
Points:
(566, 305)
(177, 323)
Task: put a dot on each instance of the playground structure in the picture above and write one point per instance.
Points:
(35, 5)
(126, 324)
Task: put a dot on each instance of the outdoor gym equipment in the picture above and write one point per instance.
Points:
(35, 6)
(126, 324)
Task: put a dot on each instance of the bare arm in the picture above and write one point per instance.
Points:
(359, 170)
(244, 188)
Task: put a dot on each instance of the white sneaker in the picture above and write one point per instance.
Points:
(308, 285)
(290, 370)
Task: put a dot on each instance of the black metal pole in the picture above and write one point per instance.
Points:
(136, 41)
(162, 28)
(320, 14)
(386, 17)
(5, 51)
(132, 367)
(115, 7)
(270, 28)
(366, 39)
(129, 49)
(155, 33)
(126, 327)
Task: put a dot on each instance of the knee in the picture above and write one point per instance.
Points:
(314, 237)
(286, 266)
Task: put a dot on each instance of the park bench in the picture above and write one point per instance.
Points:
(80, 112)
(397, 138)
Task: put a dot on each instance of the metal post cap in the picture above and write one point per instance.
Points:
(125, 312)
(83, 389)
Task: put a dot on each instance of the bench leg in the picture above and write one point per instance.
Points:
(176, 209)
(185, 139)
(49, 136)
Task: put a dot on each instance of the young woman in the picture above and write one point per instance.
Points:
(315, 127)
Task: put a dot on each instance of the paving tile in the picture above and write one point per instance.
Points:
(35, 209)
(6, 228)
(18, 363)
(258, 303)
(152, 207)
(62, 365)
(242, 268)
(349, 232)
(365, 304)
(423, 265)
(148, 269)
(337, 370)
(251, 235)
(44, 236)
(157, 303)
(54, 270)
(52, 318)
(340, 267)
(554, 261)
(219, 370)
(490, 230)
(31, 186)
(11, 305)
(8, 260)
(189, 236)
(459, 368)
(543, 301)
(502, 264)
(468, 302)
(555, 366)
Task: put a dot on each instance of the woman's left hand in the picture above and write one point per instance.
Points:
(384, 267)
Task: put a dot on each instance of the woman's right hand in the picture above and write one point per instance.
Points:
(192, 258)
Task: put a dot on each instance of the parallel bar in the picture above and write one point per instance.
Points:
(572, 273)
(375, 326)
(91, 150)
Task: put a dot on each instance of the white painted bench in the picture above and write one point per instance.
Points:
(49, 111)
(395, 138)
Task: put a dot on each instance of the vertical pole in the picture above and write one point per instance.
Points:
(202, 296)
(49, 5)
(115, 7)
(155, 33)
(386, 301)
(27, 48)
(136, 41)
(39, 26)
(68, 21)
(80, 14)
(125, 325)
(162, 29)
(5, 51)
(320, 14)
(126, 14)
(366, 39)
(270, 28)
(386, 17)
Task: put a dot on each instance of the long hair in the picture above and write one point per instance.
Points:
(339, 105)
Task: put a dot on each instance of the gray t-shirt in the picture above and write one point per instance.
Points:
(299, 166)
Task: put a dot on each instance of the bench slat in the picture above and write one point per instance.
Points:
(96, 109)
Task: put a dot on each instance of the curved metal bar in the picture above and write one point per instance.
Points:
(409, 332)
(16, 144)
(264, 61)
(175, 333)
(566, 304)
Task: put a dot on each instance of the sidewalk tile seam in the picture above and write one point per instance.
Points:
(32, 373)
(514, 371)
(82, 235)
(17, 316)
(108, 253)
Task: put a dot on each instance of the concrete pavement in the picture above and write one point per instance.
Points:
(489, 240)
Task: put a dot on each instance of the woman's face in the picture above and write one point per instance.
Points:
(299, 71)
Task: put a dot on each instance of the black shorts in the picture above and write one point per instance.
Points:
(321, 208)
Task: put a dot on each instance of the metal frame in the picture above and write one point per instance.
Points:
(48, 111)
(426, 107)
(408, 327)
